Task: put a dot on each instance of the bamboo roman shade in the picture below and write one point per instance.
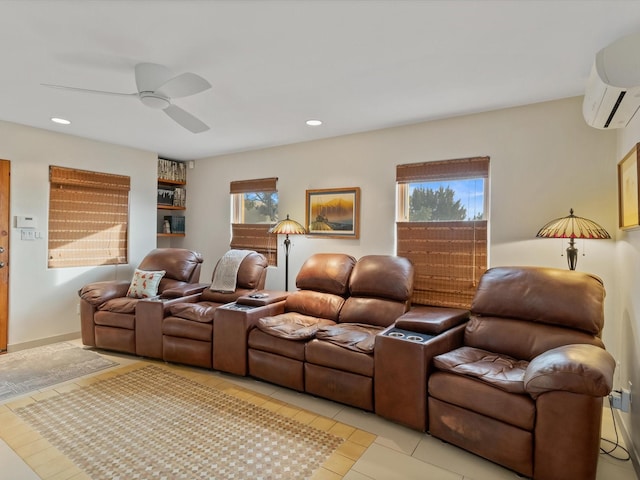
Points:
(448, 257)
(88, 218)
(253, 236)
(475, 167)
(255, 185)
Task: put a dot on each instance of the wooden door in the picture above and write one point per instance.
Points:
(5, 177)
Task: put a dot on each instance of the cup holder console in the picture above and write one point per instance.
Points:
(407, 335)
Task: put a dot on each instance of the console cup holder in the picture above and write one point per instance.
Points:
(408, 336)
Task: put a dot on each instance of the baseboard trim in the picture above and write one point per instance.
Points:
(633, 453)
(42, 341)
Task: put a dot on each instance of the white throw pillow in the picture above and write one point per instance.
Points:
(145, 283)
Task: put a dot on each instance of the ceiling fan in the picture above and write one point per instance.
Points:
(157, 88)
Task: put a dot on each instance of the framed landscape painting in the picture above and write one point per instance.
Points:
(333, 212)
(628, 191)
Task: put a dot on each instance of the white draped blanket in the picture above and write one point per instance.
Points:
(226, 273)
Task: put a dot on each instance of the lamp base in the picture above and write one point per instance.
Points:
(572, 255)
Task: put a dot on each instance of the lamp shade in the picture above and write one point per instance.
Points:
(573, 227)
(288, 227)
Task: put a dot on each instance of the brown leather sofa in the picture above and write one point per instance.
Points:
(276, 348)
(524, 387)
(188, 326)
(323, 341)
(339, 361)
(108, 315)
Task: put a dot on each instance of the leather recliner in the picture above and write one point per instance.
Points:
(188, 327)
(323, 341)
(276, 347)
(108, 316)
(339, 361)
(524, 388)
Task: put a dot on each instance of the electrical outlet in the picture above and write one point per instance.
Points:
(621, 399)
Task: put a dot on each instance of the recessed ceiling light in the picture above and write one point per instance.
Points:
(61, 121)
(314, 123)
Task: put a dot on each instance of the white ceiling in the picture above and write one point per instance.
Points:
(356, 65)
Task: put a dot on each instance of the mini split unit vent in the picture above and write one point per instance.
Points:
(612, 96)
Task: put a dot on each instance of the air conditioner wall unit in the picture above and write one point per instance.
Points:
(612, 95)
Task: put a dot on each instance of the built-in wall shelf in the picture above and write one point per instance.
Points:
(172, 196)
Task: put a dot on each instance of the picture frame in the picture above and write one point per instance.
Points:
(333, 212)
(629, 190)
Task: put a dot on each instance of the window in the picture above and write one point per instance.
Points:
(88, 218)
(254, 210)
(442, 227)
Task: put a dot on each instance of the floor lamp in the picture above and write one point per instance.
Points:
(287, 227)
(573, 227)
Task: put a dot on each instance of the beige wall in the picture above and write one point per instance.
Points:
(544, 160)
(42, 301)
(627, 301)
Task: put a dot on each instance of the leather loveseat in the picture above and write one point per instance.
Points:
(524, 387)
(108, 315)
(323, 341)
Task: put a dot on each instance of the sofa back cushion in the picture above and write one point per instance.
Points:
(525, 311)
(179, 264)
(326, 272)
(380, 290)
(382, 276)
(251, 276)
(520, 339)
(371, 311)
(315, 304)
(543, 295)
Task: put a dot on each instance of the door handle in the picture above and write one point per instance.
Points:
(1, 249)
(1, 264)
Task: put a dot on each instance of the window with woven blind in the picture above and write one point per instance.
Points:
(88, 218)
(254, 210)
(442, 227)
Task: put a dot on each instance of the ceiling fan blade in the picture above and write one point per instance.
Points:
(183, 85)
(87, 90)
(185, 119)
(149, 76)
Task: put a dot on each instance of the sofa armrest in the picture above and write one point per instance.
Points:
(431, 320)
(99, 292)
(184, 290)
(577, 368)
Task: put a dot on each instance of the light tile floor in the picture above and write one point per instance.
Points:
(398, 452)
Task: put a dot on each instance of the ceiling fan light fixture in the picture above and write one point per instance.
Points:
(153, 100)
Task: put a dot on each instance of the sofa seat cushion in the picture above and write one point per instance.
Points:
(120, 305)
(259, 340)
(198, 312)
(183, 328)
(480, 397)
(330, 355)
(498, 370)
(126, 321)
(293, 325)
(354, 336)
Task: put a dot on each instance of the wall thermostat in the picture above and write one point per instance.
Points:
(26, 221)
